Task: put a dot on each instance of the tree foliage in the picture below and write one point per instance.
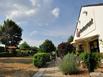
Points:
(10, 33)
(47, 46)
(24, 45)
(64, 48)
(34, 48)
(70, 39)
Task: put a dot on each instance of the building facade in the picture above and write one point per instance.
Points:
(88, 35)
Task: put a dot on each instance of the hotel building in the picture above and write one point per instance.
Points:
(88, 35)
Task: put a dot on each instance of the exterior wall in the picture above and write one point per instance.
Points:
(99, 24)
(95, 28)
(83, 20)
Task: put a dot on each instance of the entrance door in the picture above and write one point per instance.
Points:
(94, 46)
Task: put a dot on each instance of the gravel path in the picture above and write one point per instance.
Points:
(40, 73)
(49, 72)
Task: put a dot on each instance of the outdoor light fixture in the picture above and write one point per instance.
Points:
(85, 12)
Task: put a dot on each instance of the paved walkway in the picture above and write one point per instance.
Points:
(49, 72)
(39, 73)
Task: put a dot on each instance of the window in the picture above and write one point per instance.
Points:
(94, 46)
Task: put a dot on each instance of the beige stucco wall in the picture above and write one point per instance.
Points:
(99, 24)
(86, 13)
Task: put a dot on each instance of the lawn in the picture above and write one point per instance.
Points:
(16, 67)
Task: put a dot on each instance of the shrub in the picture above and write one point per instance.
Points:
(64, 48)
(6, 54)
(69, 64)
(2, 49)
(91, 60)
(22, 53)
(40, 59)
(101, 55)
(83, 56)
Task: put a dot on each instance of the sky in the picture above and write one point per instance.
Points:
(44, 19)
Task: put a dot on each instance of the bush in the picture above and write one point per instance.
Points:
(40, 59)
(22, 53)
(64, 48)
(83, 56)
(101, 55)
(69, 64)
(91, 60)
(6, 54)
(2, 49)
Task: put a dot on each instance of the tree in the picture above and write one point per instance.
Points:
(24, 49)
(64, 48)
(34, 50)
(47, 46)
(24, 46)
(11, 33)
(70, 39)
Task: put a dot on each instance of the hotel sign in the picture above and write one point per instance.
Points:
(84, 27)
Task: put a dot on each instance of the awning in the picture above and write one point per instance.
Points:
(85, 39)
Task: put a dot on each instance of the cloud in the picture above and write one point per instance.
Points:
(15, 14)
(33, 33)
(34, 2)
(55, 33)
(33, 11)
(56, 12)
(61, 32)
(20, 12)
(31, 14)
(58, 31)
(32, 42)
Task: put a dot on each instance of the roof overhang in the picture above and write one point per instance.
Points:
(11, 47)
(80, 40)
